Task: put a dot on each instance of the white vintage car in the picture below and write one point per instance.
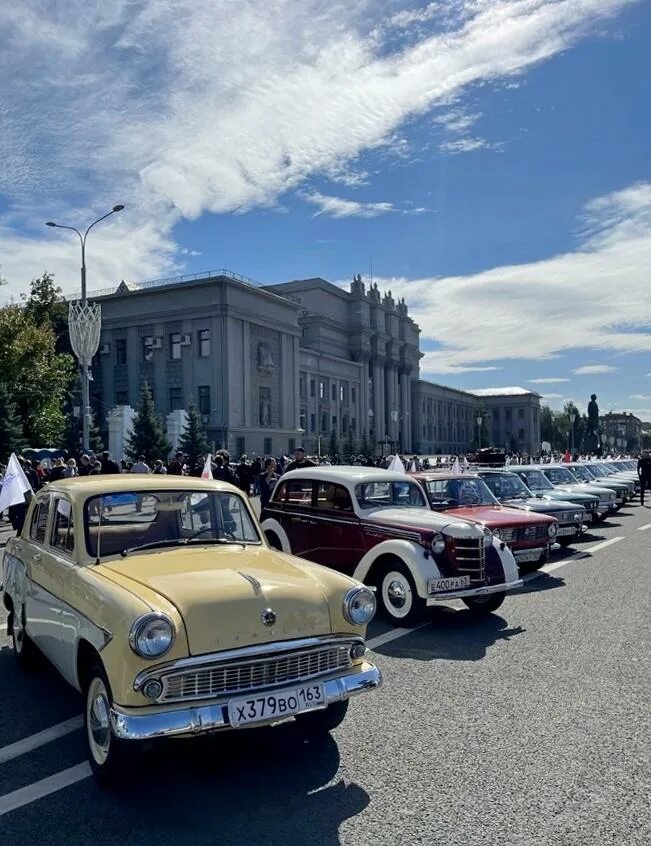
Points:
(378, 527)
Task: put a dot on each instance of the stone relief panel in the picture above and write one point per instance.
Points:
(265, 376)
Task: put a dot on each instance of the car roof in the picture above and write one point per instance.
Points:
(354, 475)
(81, 487)
(433, 476)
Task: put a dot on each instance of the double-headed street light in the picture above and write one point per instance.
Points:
(84, 324)
(479, 420)
(572, 416)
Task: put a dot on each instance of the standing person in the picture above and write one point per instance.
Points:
(244, 475)
(71, 469)
(300, 461)
(159, 468)
(108, 465)
(57, 470)
(267, 481)
(85, 465)
(222, 469)
(140, 466)
(644, 472)
(175, 467)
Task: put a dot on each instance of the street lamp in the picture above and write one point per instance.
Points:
(572, 416)
(84, 324)
(480, 420)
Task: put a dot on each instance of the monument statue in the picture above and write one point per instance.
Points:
(592, 441)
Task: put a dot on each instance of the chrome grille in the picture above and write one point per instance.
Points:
(238, 677)
(470, 556)
(524, 533)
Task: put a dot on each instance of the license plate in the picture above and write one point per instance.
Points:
(275, 706)
(566, 530)
(451, 583)
(528, 555)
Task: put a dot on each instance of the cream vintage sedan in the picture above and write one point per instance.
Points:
(159, 599)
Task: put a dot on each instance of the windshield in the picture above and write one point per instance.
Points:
(604, 469)
(582, 473)
(390, 495)
(559, 476)
(450, 493)
(535, 480)
(118, 522)
(507, 486)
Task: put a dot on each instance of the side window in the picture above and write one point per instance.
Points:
(298, 493)
(63, 531)
(334, 497)
(39, 521)
(442, 493)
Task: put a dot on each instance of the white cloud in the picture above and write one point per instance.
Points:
(594, 369)
(642, 397)
(339, 207)
(537, 311)
(553, 396)
(148, 104)
(548, 380)
(468, 145)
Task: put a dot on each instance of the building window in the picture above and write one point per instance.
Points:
(507, 414)
(121, 398)
(353, 425)
(353, 394)
(264, 406)
(267, 446)
(342, 393)
(344, 424)
(334, 422)
(175, 346)
(333, 392)
(176, 398)
(521, 434)
(240, 447)
(324, 422)
(312, 422)
(312, 388)
(302, 420)
(203, 336)
(121, 351)
(521, 414)
(321, 390)
(204, 399)
(301, 387)
(147, 351)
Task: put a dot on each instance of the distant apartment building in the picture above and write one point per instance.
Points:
(622, 429)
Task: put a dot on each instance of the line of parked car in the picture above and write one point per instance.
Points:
(174, 612)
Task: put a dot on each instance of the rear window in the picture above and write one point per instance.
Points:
(297, 493)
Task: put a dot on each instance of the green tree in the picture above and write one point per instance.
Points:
(363, 446)
(333, 444)
(348, 448)
(147, 436)
(11, 426)
(46, 306)
(73, 433)
(193, 441)
(372, 445)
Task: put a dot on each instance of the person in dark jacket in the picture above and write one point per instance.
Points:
(644, 472)
(108, 465)
(300, 461)
(244, 475)
(221, 469)
(267, 481)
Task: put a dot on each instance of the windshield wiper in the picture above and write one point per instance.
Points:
(180, 542)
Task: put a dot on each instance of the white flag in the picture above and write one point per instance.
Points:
(456, 467)
(413, 467)
(396, 465)
(508, 460)
(14, 484)
(466, 466)
(206, 473)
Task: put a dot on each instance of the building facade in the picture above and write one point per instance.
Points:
(273, 366)
(623, 430)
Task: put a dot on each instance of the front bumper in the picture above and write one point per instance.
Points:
(503, 587)
(172, 721)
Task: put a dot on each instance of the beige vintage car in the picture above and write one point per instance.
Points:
(159, 599)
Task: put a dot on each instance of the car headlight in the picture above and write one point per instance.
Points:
(577, 516)
(552, 529)
(152, 635)
(488, 537)
(437, 544)
(359, 606)
(497, 533)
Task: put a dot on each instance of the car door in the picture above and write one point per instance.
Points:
(334, 532)
(48, 576)
(293, 501)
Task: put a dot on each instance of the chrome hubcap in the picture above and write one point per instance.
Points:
(396, 594)
(99, 722)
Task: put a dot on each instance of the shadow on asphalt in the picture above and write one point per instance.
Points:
(256, 786)
(453, 636)
(542, 582)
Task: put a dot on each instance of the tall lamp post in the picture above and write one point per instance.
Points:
(480, 420)
(572, 416)
(85, 322)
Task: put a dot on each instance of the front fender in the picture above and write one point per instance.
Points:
(274, 526)
(422, 568)
(14, 579)
(509, 564)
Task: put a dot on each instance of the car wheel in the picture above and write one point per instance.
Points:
(110, 758)
(484, 604)
(316, 723)
(24, 648)
(273, 541)
(398, 596)
(565, 542)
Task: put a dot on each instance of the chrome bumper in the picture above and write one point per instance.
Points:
(132, 724)
(432, 599)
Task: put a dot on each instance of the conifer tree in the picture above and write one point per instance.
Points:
(348, 448)
(364, 447)
(11, 427)
(147, 436)
(193, 442)
(73, 436)
(333, 444)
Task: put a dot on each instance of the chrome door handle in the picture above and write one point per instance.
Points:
(36, 556)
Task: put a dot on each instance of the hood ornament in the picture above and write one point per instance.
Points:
(268, 617)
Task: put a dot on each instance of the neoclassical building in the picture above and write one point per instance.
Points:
(273, 366)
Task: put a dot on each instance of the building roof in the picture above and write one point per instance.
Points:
(513, 391)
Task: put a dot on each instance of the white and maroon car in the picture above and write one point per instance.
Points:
(378, 526)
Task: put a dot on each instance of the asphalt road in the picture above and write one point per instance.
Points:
(532, 726)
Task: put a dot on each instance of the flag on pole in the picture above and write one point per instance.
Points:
(206, 473)
(396, 465)
(14, 484)
(508, 460)
(456, 467)
(466, 466)
(413, 467)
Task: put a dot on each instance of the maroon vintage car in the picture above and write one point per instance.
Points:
(468, 497)
(377, 526)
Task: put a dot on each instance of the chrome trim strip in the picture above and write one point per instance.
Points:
(132, 724)
(432, 599)
(244, 653)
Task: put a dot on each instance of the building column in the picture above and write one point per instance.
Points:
(405, 409)
(379, 417)
(392, 410)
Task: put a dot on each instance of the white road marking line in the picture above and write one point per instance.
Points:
(603, 544)
(28, 744)
(644, 528)
(394, 634)
(51, 784)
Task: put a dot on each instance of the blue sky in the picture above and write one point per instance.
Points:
(489, 158)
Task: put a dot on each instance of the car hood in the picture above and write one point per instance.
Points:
(222, 592)
(421, 519)
(585, 487)
(571, 498)
(494, 516)
(539, 506)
